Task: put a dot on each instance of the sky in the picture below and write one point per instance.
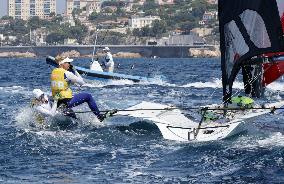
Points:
(3, 6)
(280, 7)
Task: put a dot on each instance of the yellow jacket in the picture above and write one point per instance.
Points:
(59, 86)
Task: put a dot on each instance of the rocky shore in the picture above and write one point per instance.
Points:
(117, 51)
(204, 53)
(17, 54)
(76, 54)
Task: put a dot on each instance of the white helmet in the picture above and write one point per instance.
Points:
(106, 49)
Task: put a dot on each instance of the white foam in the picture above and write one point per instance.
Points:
(276, 86)
(217, 83)
(13, 89)
(157, 80)
(24, 117)
(276, 139)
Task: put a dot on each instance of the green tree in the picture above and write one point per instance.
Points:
(93, 16)
(6, 17)
(52, 14)
(57, 19)
(120, 12)
(75, 12)
(34, 23)
(187, 26)
(16, 26)
(159, 27)
(55, 38)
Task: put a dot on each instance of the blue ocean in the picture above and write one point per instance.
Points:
(130, 150)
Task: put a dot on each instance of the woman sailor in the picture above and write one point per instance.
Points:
(109, 64)
(61, 78)
(42, 105)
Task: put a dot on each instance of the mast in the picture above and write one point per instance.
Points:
(94, 50)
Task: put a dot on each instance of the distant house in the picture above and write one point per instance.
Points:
(139, 22)
(210, 15)
(109, 8)
(70, 41)
(131, 4)
(164, 2)
(201, 22)
(38, 36)
(201, 31)
(69, 20)
(3, 23)
(139, 2)
(212, 1)
(90, 6)
(122, 21)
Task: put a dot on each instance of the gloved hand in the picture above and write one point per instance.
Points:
(57, 97)
(71, 69)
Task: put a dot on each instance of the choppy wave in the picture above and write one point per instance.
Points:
(127, 150)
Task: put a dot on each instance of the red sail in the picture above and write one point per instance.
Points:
(272, 71)
(282, 21)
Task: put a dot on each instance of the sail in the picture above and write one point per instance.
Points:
(272, 72)
(247, 29)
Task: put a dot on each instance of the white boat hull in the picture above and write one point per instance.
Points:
(176, 126)
(206, 133)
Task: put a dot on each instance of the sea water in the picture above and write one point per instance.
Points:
(129, 150)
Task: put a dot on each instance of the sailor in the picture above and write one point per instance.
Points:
(42, 105)
(109, 64)
(243, 101)
(61, 78)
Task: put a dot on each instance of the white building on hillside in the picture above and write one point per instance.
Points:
(164, 2)
(25, 9)
(139, 22)
(210, 15)
(90, 5)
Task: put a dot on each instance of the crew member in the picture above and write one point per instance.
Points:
(42, 104)
(109, 64)
(61, 78)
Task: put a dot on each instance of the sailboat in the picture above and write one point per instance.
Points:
(95, 72)
(251, 40)
(100, 75)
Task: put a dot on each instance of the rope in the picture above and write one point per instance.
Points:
(190, 108)
(249, 83)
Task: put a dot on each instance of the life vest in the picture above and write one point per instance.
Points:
(59, 85)
(243, 101)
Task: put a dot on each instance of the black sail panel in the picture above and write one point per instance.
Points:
(248, 28)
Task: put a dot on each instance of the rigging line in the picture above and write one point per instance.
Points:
(191, 108)
(126, 110)
(214, 92)
(249, 83)
(94, 49)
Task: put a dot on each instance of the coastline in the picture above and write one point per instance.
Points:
(121, 51)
